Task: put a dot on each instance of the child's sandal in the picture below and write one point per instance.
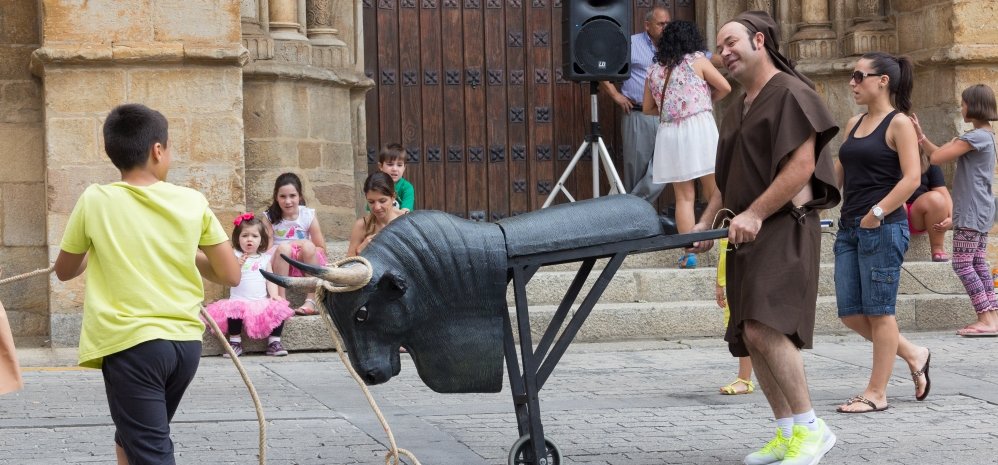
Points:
(307, 308)
(730, 390)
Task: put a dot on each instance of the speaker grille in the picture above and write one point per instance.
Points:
(599, 46)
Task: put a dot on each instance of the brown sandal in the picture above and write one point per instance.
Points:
(864, 400)
(928, 382)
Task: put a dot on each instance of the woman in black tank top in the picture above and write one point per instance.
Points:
(878, 169)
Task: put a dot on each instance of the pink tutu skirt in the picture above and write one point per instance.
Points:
(260, 317)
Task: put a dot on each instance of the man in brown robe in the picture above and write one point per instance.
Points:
(772, 175)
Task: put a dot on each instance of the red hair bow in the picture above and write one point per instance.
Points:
(239, 219)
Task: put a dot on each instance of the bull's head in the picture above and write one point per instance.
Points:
(376, 314)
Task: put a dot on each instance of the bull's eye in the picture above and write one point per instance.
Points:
(361, 315)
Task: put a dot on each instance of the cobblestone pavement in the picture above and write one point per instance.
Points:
(606, 404)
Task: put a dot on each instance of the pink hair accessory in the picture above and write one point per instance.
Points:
(239, 219)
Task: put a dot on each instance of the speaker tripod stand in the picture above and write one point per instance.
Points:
(594, 142)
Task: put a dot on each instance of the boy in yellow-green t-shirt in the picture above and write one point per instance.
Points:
(145, 245)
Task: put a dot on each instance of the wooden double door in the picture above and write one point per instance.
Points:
(473, 90)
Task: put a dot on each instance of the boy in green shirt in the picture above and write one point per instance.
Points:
(391, 161)
(143, 242)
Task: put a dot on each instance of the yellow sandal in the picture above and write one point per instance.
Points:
(730, 390)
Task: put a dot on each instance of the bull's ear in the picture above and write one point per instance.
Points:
(392, 286)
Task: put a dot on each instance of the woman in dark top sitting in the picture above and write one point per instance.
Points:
(930, 209)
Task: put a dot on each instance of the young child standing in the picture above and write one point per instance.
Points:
(743, 382)
(391, 161)
(255, 301)
(139, 240)
(295, 232)
(973, 203)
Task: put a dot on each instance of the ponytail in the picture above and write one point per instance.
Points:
(900, 71)
(902, 92)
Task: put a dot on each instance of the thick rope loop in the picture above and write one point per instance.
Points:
(392, 456)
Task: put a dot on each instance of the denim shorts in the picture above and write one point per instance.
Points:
(868, 267)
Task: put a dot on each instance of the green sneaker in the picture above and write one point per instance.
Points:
(772, 452)
(808, 447)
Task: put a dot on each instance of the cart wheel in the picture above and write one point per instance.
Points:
(518, 453)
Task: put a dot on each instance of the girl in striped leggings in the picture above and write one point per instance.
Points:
(973, 203)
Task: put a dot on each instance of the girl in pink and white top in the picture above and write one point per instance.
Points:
(295, 233)
(681, 87)
(255, 303)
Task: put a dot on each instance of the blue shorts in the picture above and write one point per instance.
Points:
(868, 267)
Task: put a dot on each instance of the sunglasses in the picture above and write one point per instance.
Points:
(859, 76)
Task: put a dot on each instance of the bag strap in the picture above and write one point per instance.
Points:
(661, 103)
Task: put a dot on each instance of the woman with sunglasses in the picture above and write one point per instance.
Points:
(878, 169)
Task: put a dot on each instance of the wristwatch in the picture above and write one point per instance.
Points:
(878, 212)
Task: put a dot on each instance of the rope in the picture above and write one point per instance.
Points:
(28, 275)
(392, 456)
(261, 421)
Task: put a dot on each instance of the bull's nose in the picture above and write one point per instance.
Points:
(374, 376)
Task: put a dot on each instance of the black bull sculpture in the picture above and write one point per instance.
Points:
(437, 286)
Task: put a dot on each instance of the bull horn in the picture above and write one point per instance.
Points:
(339, 275)
(288, 282)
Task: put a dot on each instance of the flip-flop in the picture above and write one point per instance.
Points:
(928, 382)
(873, 407)
(976, 332)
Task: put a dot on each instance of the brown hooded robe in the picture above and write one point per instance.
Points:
(774, 279)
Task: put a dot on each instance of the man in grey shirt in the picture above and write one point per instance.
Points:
(638, 129)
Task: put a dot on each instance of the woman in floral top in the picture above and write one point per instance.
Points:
(686, 140)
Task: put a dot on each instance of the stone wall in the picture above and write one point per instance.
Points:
(22, 178)
(181, 57)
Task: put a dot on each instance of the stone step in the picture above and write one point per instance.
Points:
(675, 285)
(657, 320)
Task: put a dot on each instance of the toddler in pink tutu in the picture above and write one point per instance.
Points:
(253, 305)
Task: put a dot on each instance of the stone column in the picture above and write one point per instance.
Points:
(869, 32)
(284, 20)
(814, 39)
(328, 51)
(180, 57)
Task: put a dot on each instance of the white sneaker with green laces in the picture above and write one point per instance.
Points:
(808, 447)
(772, 452)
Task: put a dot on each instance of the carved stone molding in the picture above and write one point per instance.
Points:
(870, 31)
(319, 16)
(260, 48)
(814, 39)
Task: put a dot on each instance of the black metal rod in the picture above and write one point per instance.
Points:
(535, 428)
(566, 304)
(580, 317)
(516, 387)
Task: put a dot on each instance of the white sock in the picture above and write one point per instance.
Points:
(235, 339)
(786, 426)
(273, 338)
(807, 419)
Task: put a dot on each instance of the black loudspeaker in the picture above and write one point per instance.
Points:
(596, 40)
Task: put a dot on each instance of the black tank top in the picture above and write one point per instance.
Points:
(871, 170)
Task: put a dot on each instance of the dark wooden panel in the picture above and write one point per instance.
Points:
(431, 194)
(389, 123)
(516, 53)
(537, 40)
(496, 110)
(410, 109)
(371, 71)
(476, 167)
(454, 147)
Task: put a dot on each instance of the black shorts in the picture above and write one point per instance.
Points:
(144, 385)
